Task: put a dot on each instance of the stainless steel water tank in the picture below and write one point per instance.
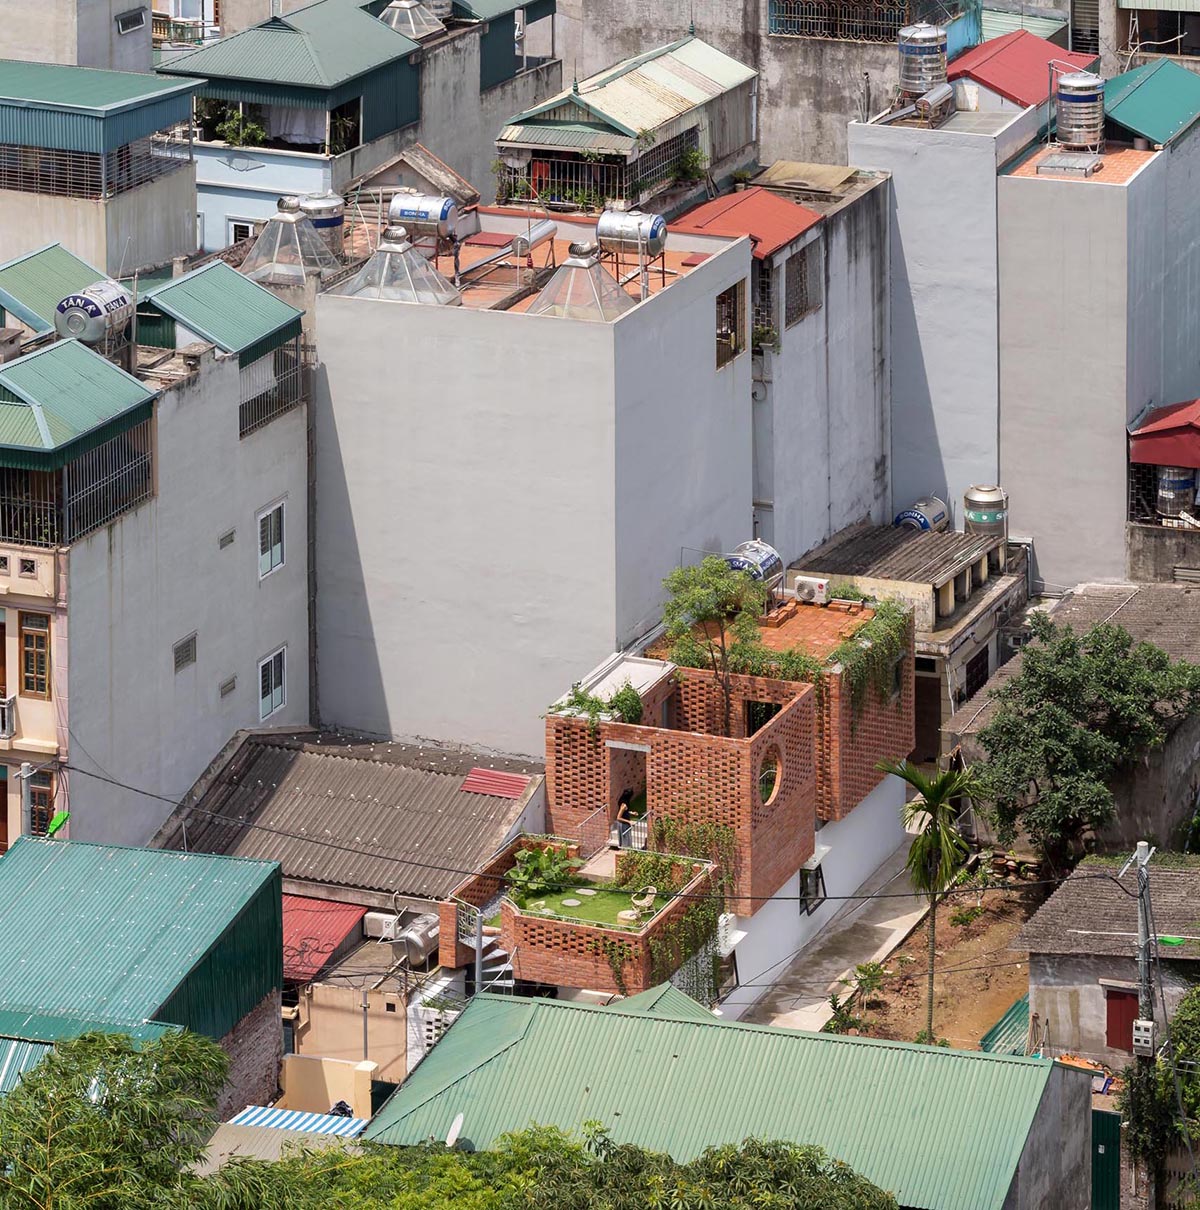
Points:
(985, 510)
(927, 513)
(922, 50)
(328, 214)
(423, 214)
(536, 234)
(95, 313)
(631, 231)
(1176, 490)
(1079, 109)
(759, 561)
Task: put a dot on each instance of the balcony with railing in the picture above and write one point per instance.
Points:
(8, 716)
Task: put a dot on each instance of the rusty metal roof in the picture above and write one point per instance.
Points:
(887, 552)
(770, 221)
(647, 91)
(351, 814)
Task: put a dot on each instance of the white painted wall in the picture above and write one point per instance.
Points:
(859, 845)
(500, 496)
(945, 298)
(822, 409)
(156, 575)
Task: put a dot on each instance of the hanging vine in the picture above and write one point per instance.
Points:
(868, 658)
(618, 954)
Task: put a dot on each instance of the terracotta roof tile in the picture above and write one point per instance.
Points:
(1016, 66)
(769, 220)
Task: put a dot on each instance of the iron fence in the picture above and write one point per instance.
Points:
(46, 508)
(593, 833)
(274, 385)
(86, 174)
(868, 21)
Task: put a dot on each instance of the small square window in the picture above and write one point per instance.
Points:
(3, 565)
(185, 653)
(812, 890)
(270, 541)
(28, 568)
(226, 539)
(130, 22)
(227, 687)
(239, 231)
(389, 1006)
(271, 676)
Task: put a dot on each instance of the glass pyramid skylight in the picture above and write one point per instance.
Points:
(411, 18)
(288, 250)
(399, 273)
(582, 289)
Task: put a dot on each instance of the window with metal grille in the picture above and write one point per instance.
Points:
(185, 653)
(763, 295)
(866, 21)
(41, 803)
(35, 655)
(731, 323)
(271, 673)
(27, 567)
(240, 231)
(812, 890)
(270, 540)
(803, 283)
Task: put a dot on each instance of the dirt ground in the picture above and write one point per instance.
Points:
(968, 1000)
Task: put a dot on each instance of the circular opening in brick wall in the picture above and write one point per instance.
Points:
(770, 774)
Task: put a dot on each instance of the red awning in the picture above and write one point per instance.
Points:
(312, 930)
(1170, 436)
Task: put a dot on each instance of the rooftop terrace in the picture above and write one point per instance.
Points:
(1115, 165)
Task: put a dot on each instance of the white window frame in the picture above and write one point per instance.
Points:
(130, 21)
(280, 507)
(277, 691)
(232, 220)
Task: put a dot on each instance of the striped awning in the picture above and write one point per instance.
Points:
(293, 1119)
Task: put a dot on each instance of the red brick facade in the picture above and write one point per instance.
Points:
(693, 775)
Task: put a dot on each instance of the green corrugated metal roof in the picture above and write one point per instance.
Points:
(221, 305)
(57, 395)
(1008, 1035)
(34, 284)
(997, 22)
(941, 1129)
(17, 1056)
(110, 934)
(1158, 101)
(578, 136)
(320, 46)
(86, 109)
(663, 1000)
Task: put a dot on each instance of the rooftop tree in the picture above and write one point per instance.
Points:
(1082, 710)
(711, 610)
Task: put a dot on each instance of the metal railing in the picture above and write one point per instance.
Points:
(594, 832)
(86, 174)
(868, 21)
(8, 716)
(46, 508)
(288, 378)
(466, 920)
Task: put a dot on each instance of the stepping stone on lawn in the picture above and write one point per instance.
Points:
(583, 891)
(570, 903)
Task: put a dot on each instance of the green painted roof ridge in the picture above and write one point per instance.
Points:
(20, 260)
(133, 848)
(166, 88)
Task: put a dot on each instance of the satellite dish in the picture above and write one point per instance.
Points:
(455, 1130)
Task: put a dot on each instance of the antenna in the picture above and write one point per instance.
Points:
(455, 1130)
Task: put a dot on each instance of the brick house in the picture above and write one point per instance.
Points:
(768, 816)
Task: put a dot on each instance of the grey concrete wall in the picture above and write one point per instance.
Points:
(156, 575)
(1152, 552)
(255, 1049)
(30, 220)
(822, 413)
(479, 543)
(682, 441)
(153, 223)
(1055, 1168)
(944, 299)
(1156, 800)
(1066, 993)
(80, 32)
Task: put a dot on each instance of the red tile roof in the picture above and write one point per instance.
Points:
(769, 220)
(1017, 65)
(495, 783)
(312, 930)
(1170, 436)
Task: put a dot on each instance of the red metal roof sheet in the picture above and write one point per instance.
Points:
(312, 930)
(1170, 436)
(1017, 66)
(770, 221)
(495, 783)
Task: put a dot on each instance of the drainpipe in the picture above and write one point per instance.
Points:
(365, 1021)
(26, 799)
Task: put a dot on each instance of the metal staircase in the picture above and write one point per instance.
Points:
(495, 966)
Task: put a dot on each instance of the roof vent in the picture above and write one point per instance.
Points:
(289, 249)
(397, 272)
(582, 288)
(412, 19)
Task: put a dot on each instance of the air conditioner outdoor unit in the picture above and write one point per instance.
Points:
(812, 589)
(381, 925)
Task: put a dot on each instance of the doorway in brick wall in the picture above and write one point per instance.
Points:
(627, 779)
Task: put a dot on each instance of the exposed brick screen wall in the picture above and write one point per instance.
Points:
(851, 748)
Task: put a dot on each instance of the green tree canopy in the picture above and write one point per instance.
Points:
(1083, 708)
(544, 1169)
(107, 1123)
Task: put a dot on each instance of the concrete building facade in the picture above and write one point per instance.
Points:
(112, 34)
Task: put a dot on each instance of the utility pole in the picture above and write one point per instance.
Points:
(478, 951)
(1143, 1028)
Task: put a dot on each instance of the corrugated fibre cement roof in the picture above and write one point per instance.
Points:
(941, 1129)
(107, 933)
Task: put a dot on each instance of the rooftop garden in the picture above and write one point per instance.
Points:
(712, 622)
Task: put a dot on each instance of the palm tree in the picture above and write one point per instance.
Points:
(937, 849)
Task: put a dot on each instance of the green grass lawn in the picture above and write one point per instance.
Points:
(600, 908)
